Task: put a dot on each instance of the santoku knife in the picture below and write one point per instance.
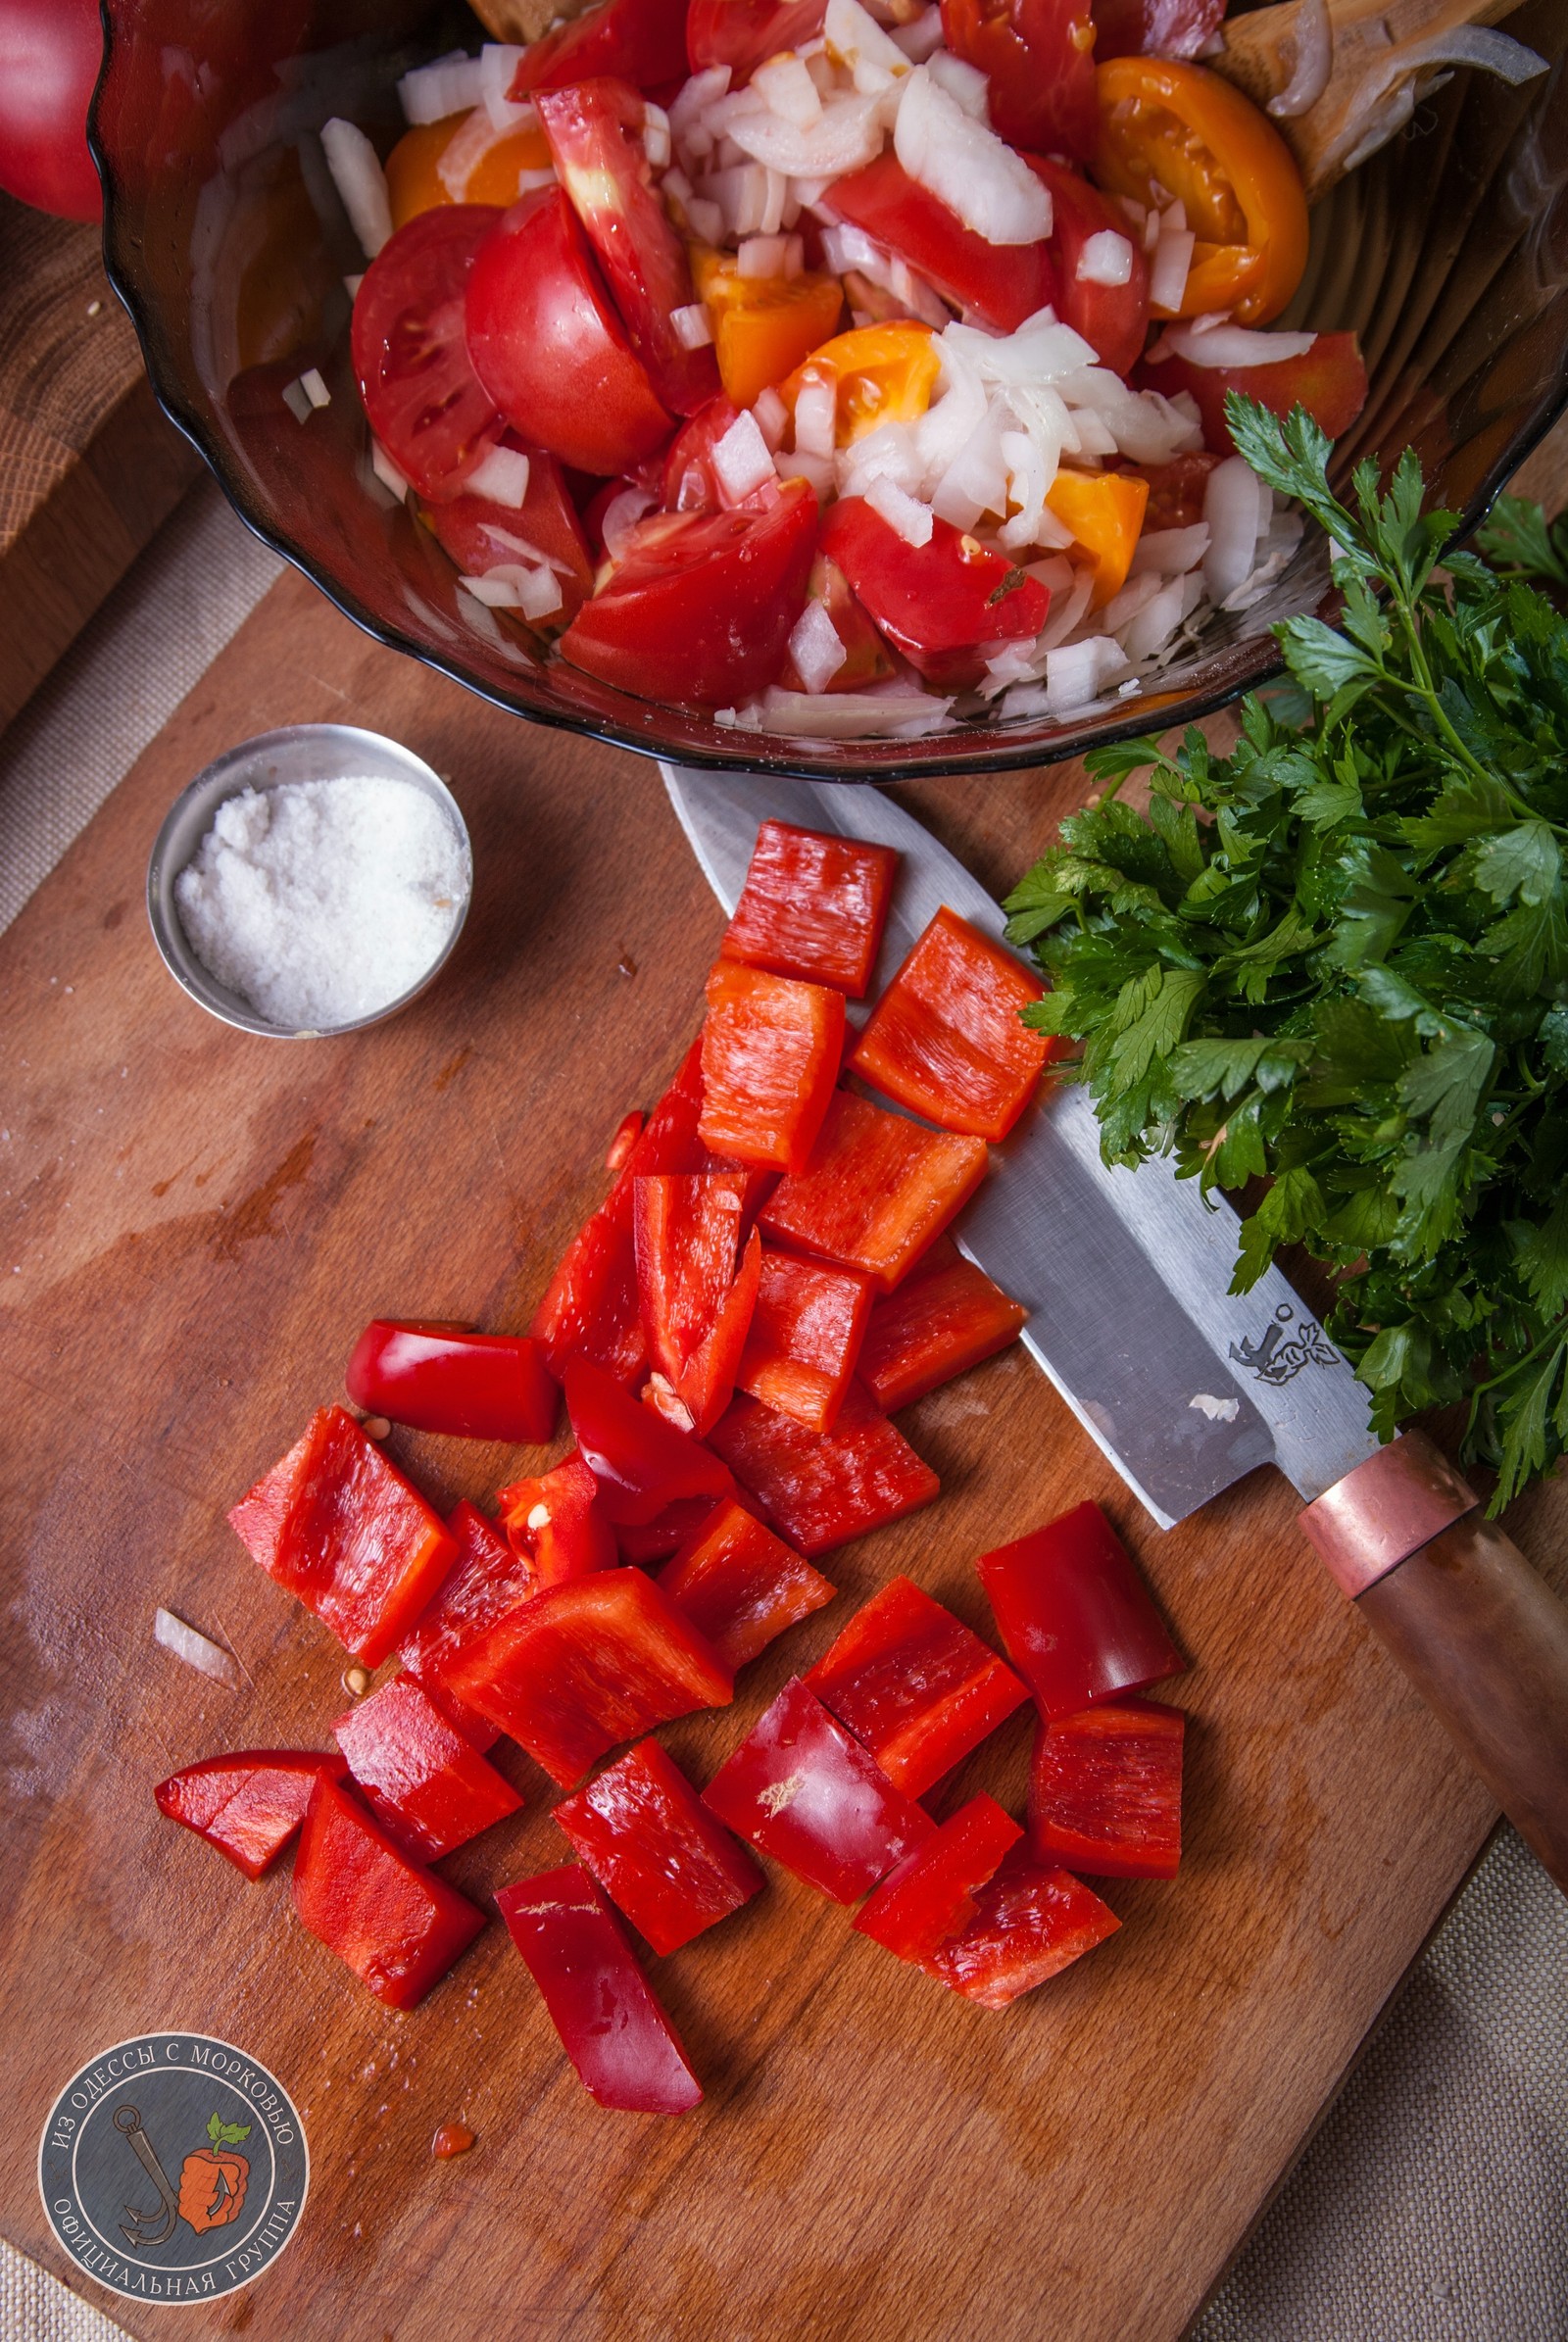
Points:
(1186, 1387)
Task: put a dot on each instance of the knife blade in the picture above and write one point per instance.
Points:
(1184, 1386)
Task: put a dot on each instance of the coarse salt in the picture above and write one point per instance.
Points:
(324, 902)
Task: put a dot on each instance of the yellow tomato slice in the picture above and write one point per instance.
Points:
(413, 182)
(762, 325)
(1105, 513)
(881, 374)
(1169, 129)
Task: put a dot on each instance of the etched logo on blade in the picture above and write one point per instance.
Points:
(1280, 1356)
(174, 2168)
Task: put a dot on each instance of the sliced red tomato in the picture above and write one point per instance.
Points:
(593, 130)
(800, 1790)
(556, 1519)
(1078, 1621)
(641, 1462)
(1154, 27)
(1106, 1789)
(50, 54)
(1114, 318)
(867, 658)
(1328, 381)
(930, 1897)
(740, 1584)
(690, 484)
(820, 1489)
(699, 611)
(805, 1338)
(943, 1319)
(479, 534)
(947, 1038)
(745, 33)
(877, 1191)
(249, 1804)
(394, 1923)
(1030, 1921)
(1040, 56)
(1176, 490)
(772, 1049)
(813, 906)
(547, 344)
(656, 1848)
(641, 41)
(953, 595)
(427, 1786)
(423, 397)
(914, 1685)
(1000, 284)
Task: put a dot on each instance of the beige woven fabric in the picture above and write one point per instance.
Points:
(1432, 2205)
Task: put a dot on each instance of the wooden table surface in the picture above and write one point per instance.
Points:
(196, 1223)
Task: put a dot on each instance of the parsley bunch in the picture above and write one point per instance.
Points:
(1337, 958)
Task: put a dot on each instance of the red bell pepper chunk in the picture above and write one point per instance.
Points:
(441, 1378)
(805, 1338)
(616, 2036)
(641, 1462)
(656, 1849)
(396, 1925)
(488, 1576)
(248, 1805)
(696, 1302)
(914, 1685)
(800, 1790)
(813, 907)
(658, 1538)
(337, 1524)
(557, 1520)
(820, 1489)
(1106, 1789)
(771, 1053)
(877, 1191)
(427, 1786)
(1330, 381)
(1029, 1922)
(590, 1306)
(628, 1129)
(930, 1897)
(1074, 1614)
(587, 1665)
(740, 1586)
(945, 1038)
(943, 1319)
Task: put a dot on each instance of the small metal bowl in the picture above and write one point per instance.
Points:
(297, 752)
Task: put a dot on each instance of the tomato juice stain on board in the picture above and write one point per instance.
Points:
(451, 2138)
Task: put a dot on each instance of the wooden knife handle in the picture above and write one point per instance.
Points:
(1480, 1635)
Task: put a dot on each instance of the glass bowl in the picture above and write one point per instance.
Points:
(224, 235)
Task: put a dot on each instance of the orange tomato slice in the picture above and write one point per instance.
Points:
(763, 326)
(1105, 513)
(881, 373)
(413, 182)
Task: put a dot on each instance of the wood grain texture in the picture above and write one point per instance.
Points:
(196, 1224)
(89, 468)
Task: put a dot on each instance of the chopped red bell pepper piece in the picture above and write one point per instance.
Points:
(441, 1378)
(943, 1319)
(877, 1191)
(805, 1336)
(696, 1301)
(914, 1685)
(930, 1897)
(667, 1145)
(800, 1789)
(658, 1538)
(656, 1849)
(740, 1586)
(427, 1786)
(558, 1519)
(1075, 1616)
(641, 1462)
(590, 1306)
(628, 1129)
(771, 1053)
(249, 1804)
(813, 907)
(820, 1489)
(396, 1925)
(1029, 1922)
(488, 1576)
(587, 1665)
(336, 1523)
(1106, 1789)
(947, 1038)
(616, 2036)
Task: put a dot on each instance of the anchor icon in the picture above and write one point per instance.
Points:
(143, 2228)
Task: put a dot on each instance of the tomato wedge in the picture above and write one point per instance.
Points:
(1040, 56)
(641, 41)
(745, 33)
(423, 397)
(479, 534)
(942, 603)
(1002, 284)
(1114, 318)
(699, 611)
(548, 346)
(592, 128)
(1328, 381)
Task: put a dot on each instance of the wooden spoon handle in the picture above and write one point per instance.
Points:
(1480, 1635)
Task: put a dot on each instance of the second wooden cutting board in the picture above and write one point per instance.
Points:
(196, 1225)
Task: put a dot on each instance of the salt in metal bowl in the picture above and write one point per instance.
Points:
(296, 753)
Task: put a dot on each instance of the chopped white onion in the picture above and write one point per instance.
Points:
(787, 90)
(1078, 673)
(856, 41)
(1170, 550)
(451, 85)
(741, 459)
(297, 399)
(760, 257)
(352, 284)
(852, 715)
(1236, 508)
(535, 593)
(847, 137)
(964, 83)
(908, 518)
(1152, 629)
(815, 416)
(1235, 345)
(1313, 46)
(655, 134)
(815, 647)
(464, 152)
(386, 471)
(1066, 611)
(361, 182)
(1105, 258)
(772, 418)
(693, 330)
(209, 1658)
(706, 219)
(815, 471)
(315, 388)
(503, 478)
(621, 515)
(1124, 607)
(982, 182)
(1170, 266)
(920, 35)
(497, 64)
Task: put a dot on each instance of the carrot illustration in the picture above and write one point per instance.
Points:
(212, 2179)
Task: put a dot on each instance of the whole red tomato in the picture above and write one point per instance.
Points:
(50, 52)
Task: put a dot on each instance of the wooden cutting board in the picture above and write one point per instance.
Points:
(196, 1223)
(89, 468)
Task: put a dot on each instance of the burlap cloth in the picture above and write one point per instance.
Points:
(1433, 2204)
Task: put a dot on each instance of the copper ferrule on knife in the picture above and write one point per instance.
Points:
(1385, 1510)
